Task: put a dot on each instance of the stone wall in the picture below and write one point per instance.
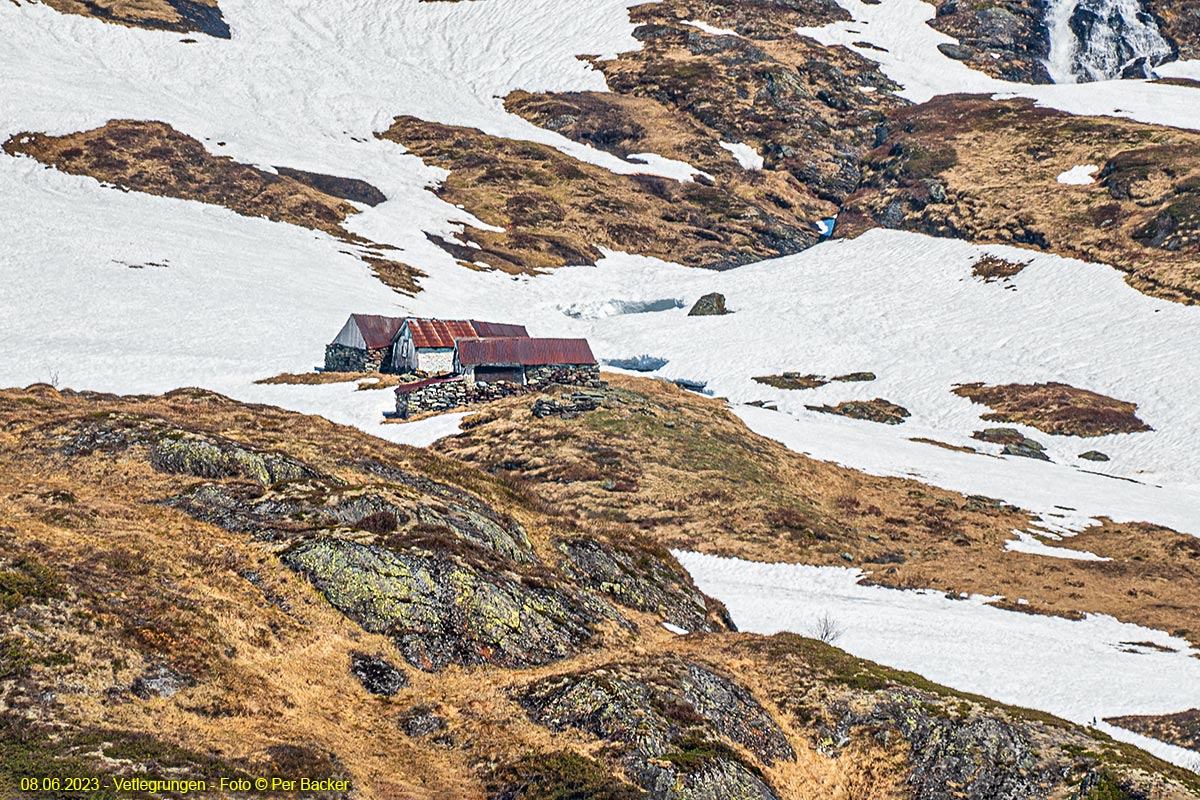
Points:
(436, 395)
(445, 395)
(340, 358)
(565, 374)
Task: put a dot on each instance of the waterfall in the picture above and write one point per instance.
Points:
(1098, 40)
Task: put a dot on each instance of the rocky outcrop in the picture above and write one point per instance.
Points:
(953, 759)
(1055, 408)
(171, 449)
(642, 577)
(877, 410)
(1015, 443)
(677, 724)
(709, 305)
(935, 171)
(441, 610)
(377, 674)
(1007, 40)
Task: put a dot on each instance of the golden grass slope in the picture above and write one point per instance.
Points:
(689, 474)
(101, 583)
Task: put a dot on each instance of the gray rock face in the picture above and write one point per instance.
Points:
(633, 579)
(160, 681)
(709, 305)
(170, 449)
(673, 721)
(377, 674)
(977, 759)
(440, 611)
(313, 506)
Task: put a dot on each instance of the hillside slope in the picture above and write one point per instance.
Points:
(165, 613)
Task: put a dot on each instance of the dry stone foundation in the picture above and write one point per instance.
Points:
(438, 395)
(340, 358)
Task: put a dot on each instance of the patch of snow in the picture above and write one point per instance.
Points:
(712, 29)
(667, 167)
(611, 308)
(1080, 175)
(1076, 669)
(675, 629)
(746, 155)
(1028, 543)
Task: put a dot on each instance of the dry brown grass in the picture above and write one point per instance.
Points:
(997, 163)
(145, 584)
(1055, 408)
(173, 15)
(994, 268)
(367, 381)
(140, 583)
(555, 210)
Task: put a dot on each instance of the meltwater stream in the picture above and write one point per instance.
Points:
(1097, 40)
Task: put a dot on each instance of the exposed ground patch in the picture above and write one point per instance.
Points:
(555, 210)
(974, 168)
(1055, 408)
(200, 16)
(1181, 729)
(154, 158)
(877, 410)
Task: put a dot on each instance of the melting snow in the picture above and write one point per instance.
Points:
(746, 155)
(1079, 176)
(704, 26)
(1028, 543)
(1076, 669)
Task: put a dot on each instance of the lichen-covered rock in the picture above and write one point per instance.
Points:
(170, 449)
(639, 578)
(440, 611)
(712, 304)
(673, 720)
(979, 758)
(301, 507)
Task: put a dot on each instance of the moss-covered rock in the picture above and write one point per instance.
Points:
(676, 723)
(441, 611)
(646, 578)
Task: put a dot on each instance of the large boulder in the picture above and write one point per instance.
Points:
(710, 305)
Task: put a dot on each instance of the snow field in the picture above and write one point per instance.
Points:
(1080, 670)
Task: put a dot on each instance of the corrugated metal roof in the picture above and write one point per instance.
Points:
(525, 351)
(497, 330)
(377, 331)
(445, 332)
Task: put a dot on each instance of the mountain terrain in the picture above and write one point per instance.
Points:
(910, 511)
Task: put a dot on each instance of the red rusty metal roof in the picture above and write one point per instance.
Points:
(432, 333)
(524, 351)
(377, 331)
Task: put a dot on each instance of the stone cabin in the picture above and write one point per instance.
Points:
(525, 361)
(427, 345)
(364, 344)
